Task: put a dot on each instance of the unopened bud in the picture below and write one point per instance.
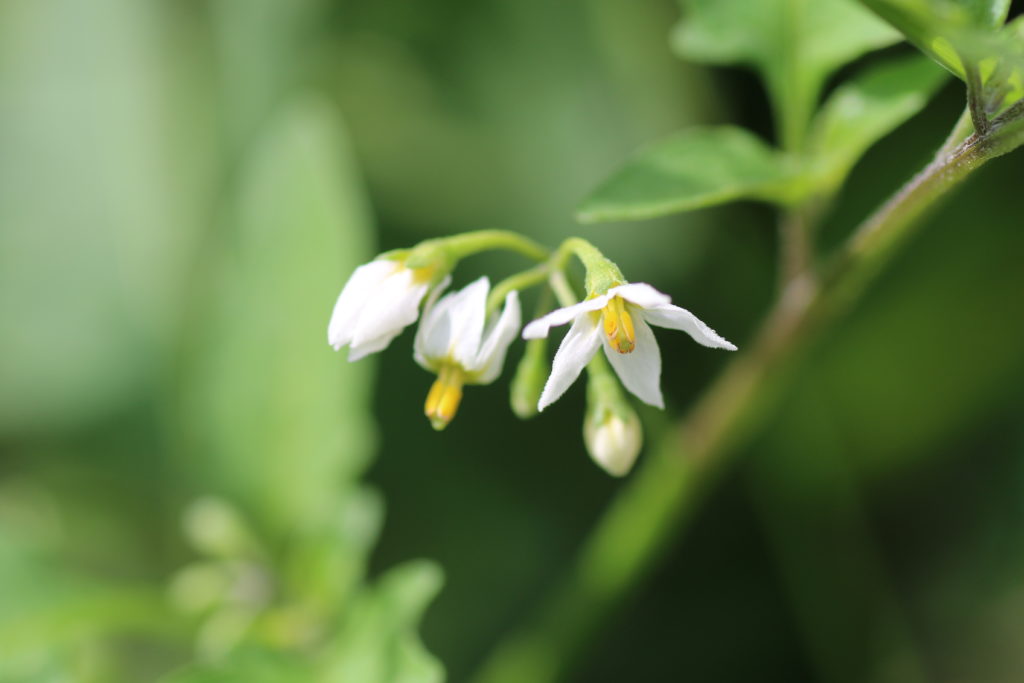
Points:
(613, 441)
(611, 430)
(528, 383)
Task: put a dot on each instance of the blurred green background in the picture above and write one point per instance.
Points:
(188, 471)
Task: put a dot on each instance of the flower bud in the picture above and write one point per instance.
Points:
(613, 440)
(611, 430)
(528, 383)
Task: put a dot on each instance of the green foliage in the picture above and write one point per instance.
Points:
(793, 44)
(968, 39)
(248, 665)
(863, 110)
(377, 640)
(281, 421)
(946, 30)
(803, 44)
(49, 615)
(707, 166)
(283, 429)
(693, 169)
(93, 280)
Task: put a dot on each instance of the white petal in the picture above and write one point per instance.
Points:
(575, 351)
(356, 292)
(640, 371)
(467, 312)
(390, 307)
(360, 351)
(675, 318)
(641, 294)
(434, 332)
(491, 357)
(560, 316)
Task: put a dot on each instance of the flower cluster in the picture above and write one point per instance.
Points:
(463, 338)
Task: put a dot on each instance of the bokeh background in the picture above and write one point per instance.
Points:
(187, 470)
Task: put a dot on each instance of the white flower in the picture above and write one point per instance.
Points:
(380, 299)
(456, 341)
(624, 314)
(613, 441)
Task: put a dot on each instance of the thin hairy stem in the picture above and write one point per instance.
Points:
(975, 104)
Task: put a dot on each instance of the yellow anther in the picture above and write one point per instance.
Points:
(444, 396)
(618, 326)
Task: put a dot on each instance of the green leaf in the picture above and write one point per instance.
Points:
(946, 30)
(794, 44)
(377, 642)
(693, 169)
(126, 222)
(281, 421)
(863, 110)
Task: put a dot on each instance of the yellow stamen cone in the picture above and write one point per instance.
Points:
(444, 396)
(618, 326)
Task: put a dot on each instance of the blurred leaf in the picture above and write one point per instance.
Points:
(377, 642)
(246, 666)
(282, 421)
(90, 284)
(865, 109)
(261, 48)
(693, 169)
(47, 613)
(328, 562)
(794, 44)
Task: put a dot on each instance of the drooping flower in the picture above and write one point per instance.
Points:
(456, 341)
(379, 300)
(624, 315)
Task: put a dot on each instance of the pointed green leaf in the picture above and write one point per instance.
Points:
(693, 169)
(794, 44)
(863, 110)
(281, 420)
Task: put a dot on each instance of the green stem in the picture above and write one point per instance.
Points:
(562, 289)
(653, 507)
(528, 278)
(975, 105)
(796, 243)
(468, 243)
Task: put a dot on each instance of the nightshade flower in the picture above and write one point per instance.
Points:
(624, 314)
(379, 300)
(456, 341)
